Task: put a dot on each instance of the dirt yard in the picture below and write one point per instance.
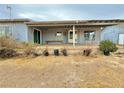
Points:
(71, 71)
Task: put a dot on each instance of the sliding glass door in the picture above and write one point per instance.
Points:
(36, 36)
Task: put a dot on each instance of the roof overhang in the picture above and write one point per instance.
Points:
(29, 22)
(76, 24)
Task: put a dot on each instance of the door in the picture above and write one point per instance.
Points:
(36, 36)
(121, 39)
(70, 36)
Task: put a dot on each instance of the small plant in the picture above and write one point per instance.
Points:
(64, 52)
(107, 46)
(45, 52)
(56, 52)
(7, 53)
(87, 52)
(28, 50)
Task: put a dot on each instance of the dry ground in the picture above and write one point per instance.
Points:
(71, 71)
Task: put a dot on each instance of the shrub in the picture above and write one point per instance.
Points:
(45, 52)
(29, 50)
(64, 52)
(7, 53)
(107, 46)
(26, 45)
(87, 52)
(56, 52)
(8, 42)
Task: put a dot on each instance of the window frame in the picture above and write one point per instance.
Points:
(89, 36)
(5, 30)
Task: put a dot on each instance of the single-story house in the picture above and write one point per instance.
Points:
(64, 32)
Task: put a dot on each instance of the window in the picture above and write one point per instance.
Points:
(5, 30)
(59, 34)
(71, 35)
(89, 35)
(2, 32)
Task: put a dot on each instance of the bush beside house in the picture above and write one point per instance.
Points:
(107, 46)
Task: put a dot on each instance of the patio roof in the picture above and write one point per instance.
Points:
(30, 22)
(75, 22)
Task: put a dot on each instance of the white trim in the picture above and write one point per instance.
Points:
(36, 29)
(74, 36)
(37, 37)
(69, 40)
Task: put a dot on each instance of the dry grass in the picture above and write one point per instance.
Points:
(61, 71)
(22, 48)
(8, 42)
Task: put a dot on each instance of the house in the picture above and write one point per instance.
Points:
(64, 32)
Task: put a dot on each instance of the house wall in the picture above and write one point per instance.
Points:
(30, 35)
(112, 33)
(50, 35)
(19, 31)
(81, 38)
(24, 33)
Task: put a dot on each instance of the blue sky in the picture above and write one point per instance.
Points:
(45, 12)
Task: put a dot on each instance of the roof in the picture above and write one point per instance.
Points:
(65, 22)
(75, 22)
(14, 20)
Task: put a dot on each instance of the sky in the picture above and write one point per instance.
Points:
(50, 12)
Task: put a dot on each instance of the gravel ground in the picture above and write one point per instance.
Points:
(70, 71)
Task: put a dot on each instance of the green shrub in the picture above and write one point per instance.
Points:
(107, 46)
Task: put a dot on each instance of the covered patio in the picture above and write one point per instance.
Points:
(71, 33)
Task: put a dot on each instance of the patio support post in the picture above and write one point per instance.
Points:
(74, 36)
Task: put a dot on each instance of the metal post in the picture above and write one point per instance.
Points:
(9, 8)
(74, 36)
(123, 41)
(10, 17)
